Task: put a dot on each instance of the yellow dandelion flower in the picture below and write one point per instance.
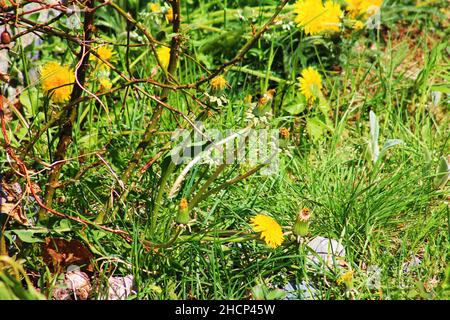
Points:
(308, 15)
(155, 7)
(310, 83)
(365, 8)
(57, 81)
(358, 25)
(346, 278)
(105, 84)
(106, 54)
(315, 17)
(270, 230)
(370, 7)
(169, 15)
(163, 56)
(353, 7)
(218, 83)
(332, 16)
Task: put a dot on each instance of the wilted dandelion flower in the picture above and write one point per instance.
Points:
(284, 137)
(304, 214)
(183, 203)
(106, 54)
(270, 230)
(57, 81)
(310, 83)
(163, 56)
(218, 83)
(183, 212)
(301, 225)
(315, 17)
(105, 84)
(284, 133)
(266, 97)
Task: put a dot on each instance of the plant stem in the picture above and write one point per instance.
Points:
(151, 128)
(65, 133)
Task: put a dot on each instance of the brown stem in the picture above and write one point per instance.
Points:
(25, 172)
(65, 133)
(36, 27)
(174, 53)
(240, 55)
(151, 128)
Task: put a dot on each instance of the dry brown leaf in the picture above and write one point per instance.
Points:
(58, 254)
(4, 77)
(14, 210)
(10, 201)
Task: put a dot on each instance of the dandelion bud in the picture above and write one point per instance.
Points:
(301, 225)
(183, 212)
(5, 37)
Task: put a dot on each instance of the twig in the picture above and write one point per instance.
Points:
(65, 133)
(150, 130)
(240, 55)
(24, 171)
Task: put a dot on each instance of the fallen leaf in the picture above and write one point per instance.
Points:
(11, 200)
(59, 253)
(4, 77)
(14, 210)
